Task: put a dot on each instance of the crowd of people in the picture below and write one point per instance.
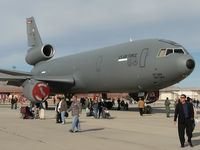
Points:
(33, 111)
(6, 99)
(185, 111)
(98, 109)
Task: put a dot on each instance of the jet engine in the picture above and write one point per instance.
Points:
(35, 91)
(41, 53)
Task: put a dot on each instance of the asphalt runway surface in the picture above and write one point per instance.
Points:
(126, 130)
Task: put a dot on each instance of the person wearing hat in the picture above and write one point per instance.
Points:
(185, 113)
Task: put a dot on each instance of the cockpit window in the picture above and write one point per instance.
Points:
(169, 51)
(180, 51)
(164, 52)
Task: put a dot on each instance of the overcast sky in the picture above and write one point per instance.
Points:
(73, 26)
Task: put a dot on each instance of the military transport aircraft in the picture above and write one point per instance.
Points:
(135, 67)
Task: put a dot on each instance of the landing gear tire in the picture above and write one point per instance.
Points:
(147, 109)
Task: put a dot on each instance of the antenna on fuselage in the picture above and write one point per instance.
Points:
(131, 39)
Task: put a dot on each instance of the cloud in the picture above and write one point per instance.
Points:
(74, 26)
(64, 19)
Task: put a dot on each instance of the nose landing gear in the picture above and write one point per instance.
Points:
(149, 97)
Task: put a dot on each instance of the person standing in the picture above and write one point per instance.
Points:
(141, 106)
(185, 113)
(75, 109)
(197, 103)
(62, 107)
(58, 114)
(12, 101)
(167, 107)
(100, 107)
(16, 100)
(46, 104)
(95, 108)
(118, 102)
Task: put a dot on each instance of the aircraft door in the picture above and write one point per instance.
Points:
(143, 57)
(142, 64)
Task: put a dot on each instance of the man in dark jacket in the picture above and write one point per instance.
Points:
(185, 113)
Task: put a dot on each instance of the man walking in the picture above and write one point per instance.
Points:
(75, 108)
(185, 113)
(141, 106)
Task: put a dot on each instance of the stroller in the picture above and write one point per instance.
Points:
(26, 113)
(89, 112)
(105, 113)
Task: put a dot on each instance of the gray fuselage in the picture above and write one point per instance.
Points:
(133, 66)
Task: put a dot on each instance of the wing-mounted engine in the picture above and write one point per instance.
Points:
(149, 97)
(41, 53)
(36, 91)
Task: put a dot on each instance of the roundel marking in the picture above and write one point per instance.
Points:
(41, 91)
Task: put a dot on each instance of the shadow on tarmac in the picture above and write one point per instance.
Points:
(154, 110)
(94, 129)
(196, 134)
(196, 142)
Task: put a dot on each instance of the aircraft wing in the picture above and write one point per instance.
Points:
(57, 82)
(14, 80)
(14, 77)
(18, 80)
(57, 79)
(15, 72)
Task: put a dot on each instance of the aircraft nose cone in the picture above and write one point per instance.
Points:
(190, 64)
(186, 65)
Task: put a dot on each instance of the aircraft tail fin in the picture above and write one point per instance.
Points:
(34, 39)
(38, 51)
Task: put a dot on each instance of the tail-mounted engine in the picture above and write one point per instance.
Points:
(41, 53)
(36, 91)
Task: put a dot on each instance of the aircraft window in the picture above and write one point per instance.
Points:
(185, 51)
(180, 51)
(169, 51)
(162, 53)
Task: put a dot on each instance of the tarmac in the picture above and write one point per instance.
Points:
(126, 130)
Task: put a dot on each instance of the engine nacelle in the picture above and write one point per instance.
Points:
(36, 91)
(37, 54)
